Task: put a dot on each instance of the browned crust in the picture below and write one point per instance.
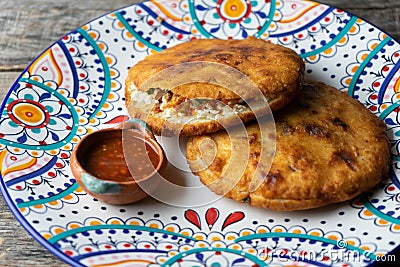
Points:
(329, 148)
(272, 67)
(276, 70)
(162, 126)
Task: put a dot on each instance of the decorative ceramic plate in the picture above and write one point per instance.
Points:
(76, 86)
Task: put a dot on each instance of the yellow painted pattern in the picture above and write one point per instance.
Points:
(23, 166)
(166, 12)
(299, 15)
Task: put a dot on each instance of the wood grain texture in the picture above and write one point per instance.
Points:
(17, 247)
(25, 32)
(27, 27)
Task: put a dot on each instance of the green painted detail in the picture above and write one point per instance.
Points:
(389, 109)
(36, 130)
(135, 34)
(106, 70)
(28, 96)
(13, 124)
(378, 213)
(65, 101)
(99, 186)
(67, 192)
(201, 29)
(305, 236)
(365, 63)
(253, 258)
(49, 108)
(344, 31)
(395, 157)
(52, 122)
(271, 13)
(196, 22)
(56, 238)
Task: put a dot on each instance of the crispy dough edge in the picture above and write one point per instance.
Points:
(161, 126)
(286, 53)
(373, 176)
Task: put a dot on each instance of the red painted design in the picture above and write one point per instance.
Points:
(233, 218)
(68, 253)
(212, 215)
(193, 218)
(118, 119)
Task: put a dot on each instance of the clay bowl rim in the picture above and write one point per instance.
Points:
(141, 133)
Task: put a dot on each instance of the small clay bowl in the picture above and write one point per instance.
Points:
(102, 172)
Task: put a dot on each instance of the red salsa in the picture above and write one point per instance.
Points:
(105, 158)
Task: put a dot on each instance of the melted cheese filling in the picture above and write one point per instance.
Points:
(164, 104)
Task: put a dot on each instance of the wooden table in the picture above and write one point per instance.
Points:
(28, 27)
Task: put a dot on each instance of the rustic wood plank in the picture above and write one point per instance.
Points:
(363, 4)
(25, 32)
(6, 81)
(387, 19)
(17, 247)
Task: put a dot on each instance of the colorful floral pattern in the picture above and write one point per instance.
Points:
(76, 87)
